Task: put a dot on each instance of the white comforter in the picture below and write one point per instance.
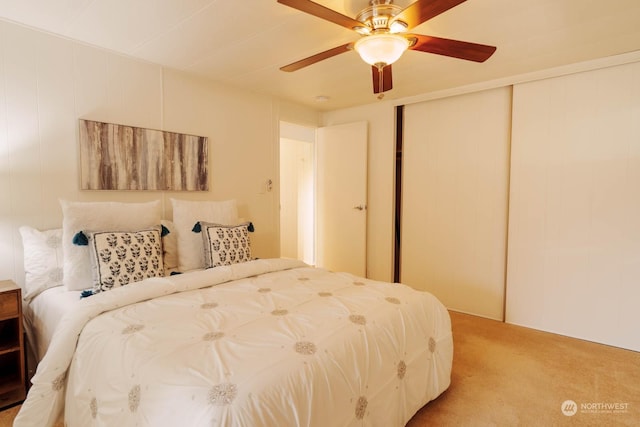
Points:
(265, 343)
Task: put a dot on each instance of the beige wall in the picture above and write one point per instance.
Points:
(47, 83)
(297, 192)
(296, 200)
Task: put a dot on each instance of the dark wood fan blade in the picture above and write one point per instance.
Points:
(387, 79)
(454, 48)
(423, 10)
(323, 12)
(317, 57)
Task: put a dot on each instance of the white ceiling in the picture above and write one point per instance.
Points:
(244, 42)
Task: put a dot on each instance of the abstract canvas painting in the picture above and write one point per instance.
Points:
(118, 157)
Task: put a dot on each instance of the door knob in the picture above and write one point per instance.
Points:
(360, 207)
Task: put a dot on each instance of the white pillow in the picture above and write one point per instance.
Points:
(43, 260)
(170, 247)
(82, 216)
(225, 244)
(186, 214)
(122, 257)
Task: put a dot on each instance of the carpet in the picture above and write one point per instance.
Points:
(507, 375)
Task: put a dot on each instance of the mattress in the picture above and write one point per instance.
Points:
(263, 343)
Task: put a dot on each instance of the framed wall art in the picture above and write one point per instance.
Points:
(119, 157)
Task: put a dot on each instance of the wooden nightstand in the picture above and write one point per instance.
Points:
(12, 369)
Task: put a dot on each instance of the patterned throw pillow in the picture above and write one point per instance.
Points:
(225, 244)
(79, 216)
(122, 257)
(188, 212)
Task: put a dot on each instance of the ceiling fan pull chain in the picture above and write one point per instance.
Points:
(380, 66)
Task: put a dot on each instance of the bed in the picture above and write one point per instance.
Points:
(258, 343)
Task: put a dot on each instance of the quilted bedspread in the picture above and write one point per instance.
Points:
(263, 343)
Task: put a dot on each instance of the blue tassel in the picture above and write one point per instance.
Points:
(165, 231)
(86, 293)
(250, 228)
(80, 239)
(196, 228)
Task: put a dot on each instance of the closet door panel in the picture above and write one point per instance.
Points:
(454, 199)
(574, 235)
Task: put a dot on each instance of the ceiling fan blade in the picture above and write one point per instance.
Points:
(423, 10)
(317, 57)
(323, 12)
(387, 79)
(454, 48)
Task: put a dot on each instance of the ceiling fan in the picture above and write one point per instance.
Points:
(383, 27)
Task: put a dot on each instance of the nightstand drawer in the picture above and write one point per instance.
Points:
(9, 304)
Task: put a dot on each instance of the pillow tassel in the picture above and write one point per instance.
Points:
(197, 228)
(250, 228)
(86, 293)
(165, 231)
(80, 239)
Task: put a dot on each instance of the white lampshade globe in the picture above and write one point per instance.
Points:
(382, 49)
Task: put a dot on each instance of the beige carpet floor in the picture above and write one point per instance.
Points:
(505, 375)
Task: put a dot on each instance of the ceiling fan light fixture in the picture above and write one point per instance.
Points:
(381, 49)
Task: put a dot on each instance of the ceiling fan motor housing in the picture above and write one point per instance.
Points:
(378, 16)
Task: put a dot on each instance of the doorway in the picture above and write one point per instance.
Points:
(323, 195)
(297, 192)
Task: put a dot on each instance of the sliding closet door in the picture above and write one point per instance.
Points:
(574, 237)
(454, 200)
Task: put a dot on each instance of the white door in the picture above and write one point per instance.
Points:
(341, 198)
